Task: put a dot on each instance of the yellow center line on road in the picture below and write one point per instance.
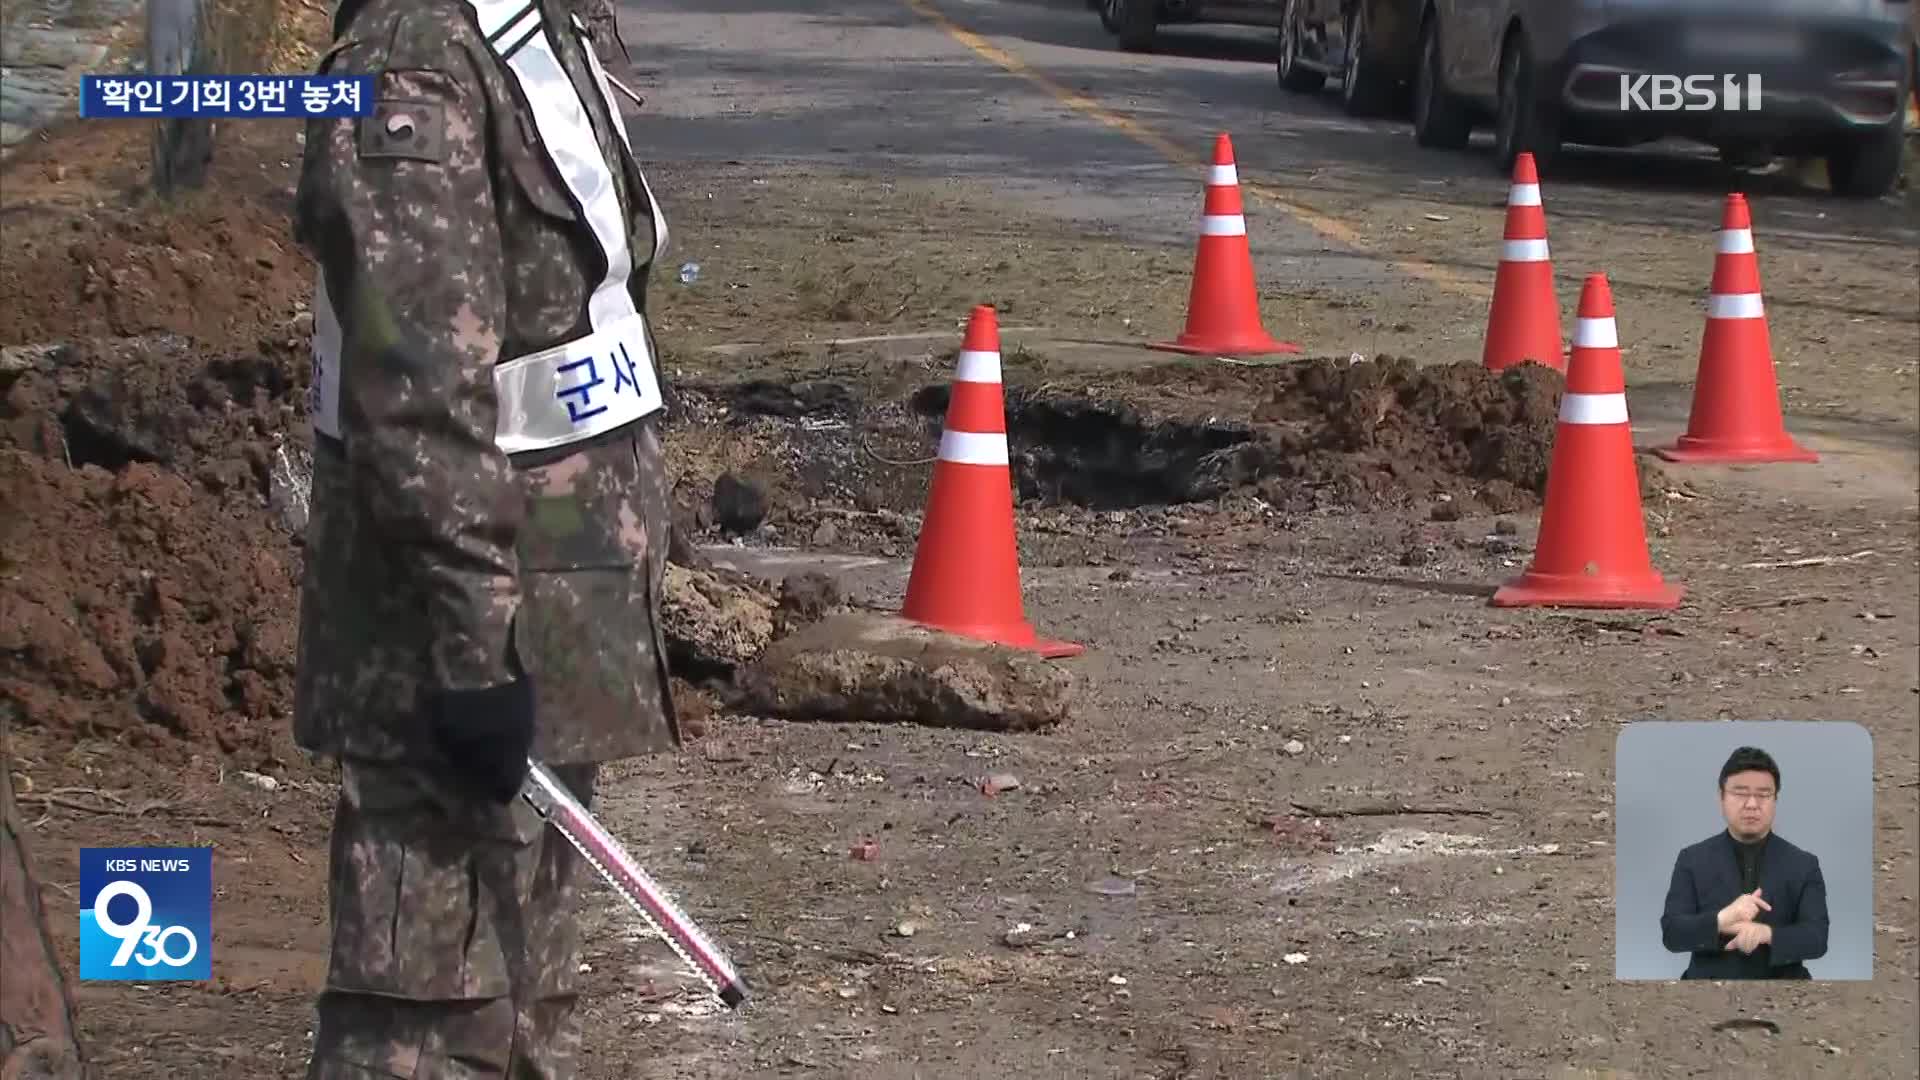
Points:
(1331, 228)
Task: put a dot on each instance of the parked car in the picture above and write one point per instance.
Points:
(1370, 45)
(1833, 78)
(1136, 22)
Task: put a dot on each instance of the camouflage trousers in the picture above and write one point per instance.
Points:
(454, 947)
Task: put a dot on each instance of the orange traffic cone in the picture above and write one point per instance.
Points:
(1592, 551)
(1736, 402)
(966, 570)
(1223, 310)
(1523, 322)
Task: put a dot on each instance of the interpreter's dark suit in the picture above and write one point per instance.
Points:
(1706, 878)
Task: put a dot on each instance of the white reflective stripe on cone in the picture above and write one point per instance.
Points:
(1523, 195)
(973, 448)
(1735, 306)
(1223, 225)
(1222, 176)
(1736, 241)
(1523, 251)
(1596, 334)
(977, 366)
(1593, 408)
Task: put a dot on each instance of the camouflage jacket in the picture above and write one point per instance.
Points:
(448, 244)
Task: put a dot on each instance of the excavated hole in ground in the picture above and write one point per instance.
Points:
(1106, 455)
(1316, 435)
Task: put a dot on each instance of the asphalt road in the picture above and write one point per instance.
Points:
(876, 86)
(1033, 98)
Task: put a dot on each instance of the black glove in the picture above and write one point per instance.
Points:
(486, 736)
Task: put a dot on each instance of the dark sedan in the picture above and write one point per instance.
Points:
(1798, 78)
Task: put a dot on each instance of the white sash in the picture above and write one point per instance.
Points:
(596, 383)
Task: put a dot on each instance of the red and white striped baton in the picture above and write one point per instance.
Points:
(561, 810)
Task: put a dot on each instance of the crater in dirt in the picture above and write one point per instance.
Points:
(1312, 435)
(847, 463)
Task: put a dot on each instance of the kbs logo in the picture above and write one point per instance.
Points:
(1694, 93)
(146, 914)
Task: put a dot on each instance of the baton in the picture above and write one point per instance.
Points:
(638, 101)
(561, 810)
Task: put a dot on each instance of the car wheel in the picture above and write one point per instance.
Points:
(1293, 75)
(1439, 119)
(1134, 21)
(1869, 167)
(1745, 156)
(1108, 9)
(1525, 124)
(1365, 89)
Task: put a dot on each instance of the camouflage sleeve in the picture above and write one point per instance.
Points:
(400, 205)
(601, 27)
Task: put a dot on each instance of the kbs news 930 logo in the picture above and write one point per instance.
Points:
(146, 914)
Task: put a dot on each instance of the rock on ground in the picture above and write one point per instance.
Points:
(739, 506)
(873, 668)
(713, 620)
(806, 598)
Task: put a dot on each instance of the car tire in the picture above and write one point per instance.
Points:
(1135, 21)
(1869, 167)
(1286, 64)
(1365, 89)
(1439, 119)
(1524, 122)
(1745, 156)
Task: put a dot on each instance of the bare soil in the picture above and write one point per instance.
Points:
(219, 267)
(1280, 571)
(138, 612)
(147, 586)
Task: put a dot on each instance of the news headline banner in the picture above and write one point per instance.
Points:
(104, 97)
(146, 914)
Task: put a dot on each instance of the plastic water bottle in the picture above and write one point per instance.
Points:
(689, 273)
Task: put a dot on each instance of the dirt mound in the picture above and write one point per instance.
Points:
(90, 253)
(220, 273)
(131, 605)
(1389, 430)
(158, 399)
(147, 587)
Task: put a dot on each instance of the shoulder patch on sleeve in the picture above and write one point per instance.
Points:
(405, 131)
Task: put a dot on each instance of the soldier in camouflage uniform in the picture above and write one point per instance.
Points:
(488, 525)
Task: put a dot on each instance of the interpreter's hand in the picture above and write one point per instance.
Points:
(1744, 909)
(1750, 936)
